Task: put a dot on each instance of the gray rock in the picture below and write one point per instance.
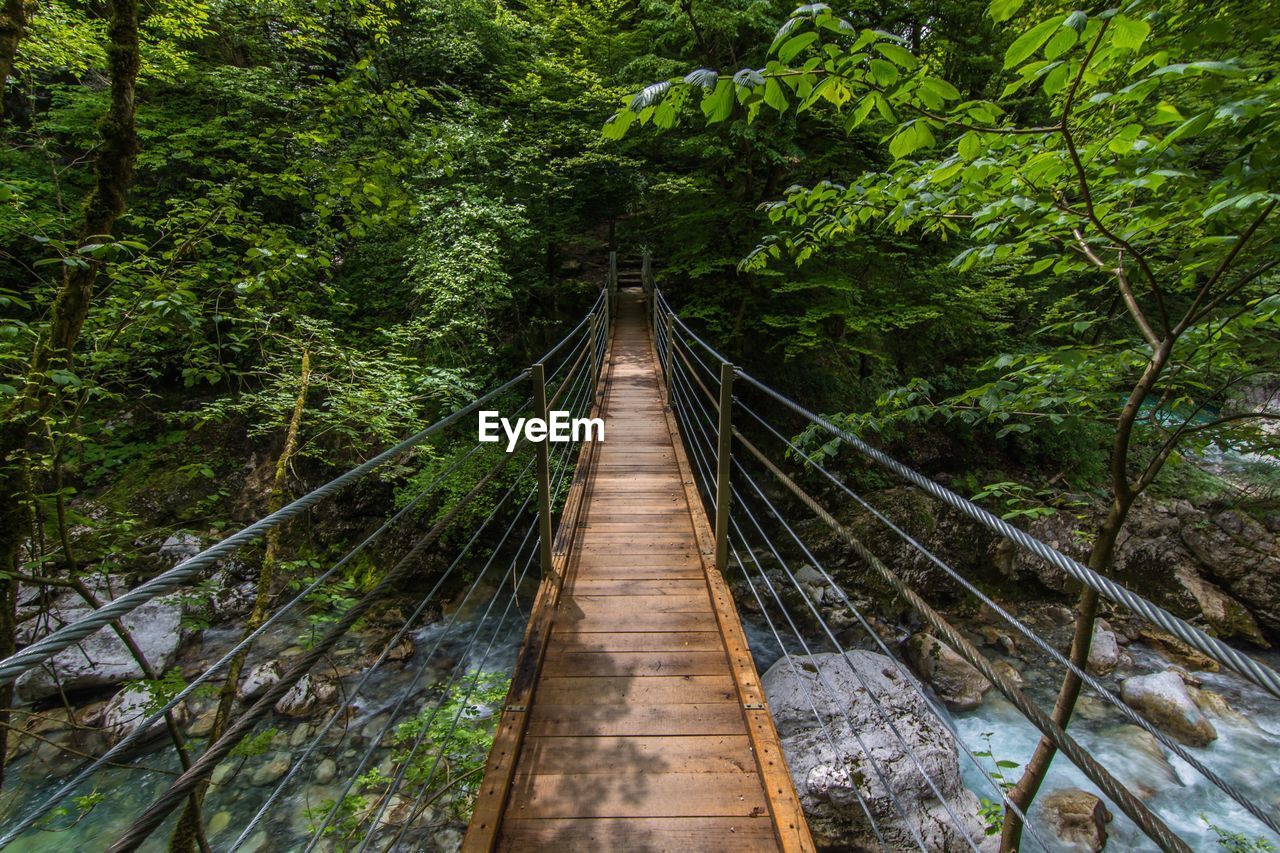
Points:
(952, 678)
(180, 546)
(811, 583)
(260, 679)
(271, 772)
(1104, 650)
(1162, 699)
(127, 711)
(101, 659)
(1078, 818)
(306, 696)
(829, 780)
(325, 771)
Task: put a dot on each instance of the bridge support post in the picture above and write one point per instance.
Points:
(669, 328)
(538, 375)
(594, 339)
(724, 450)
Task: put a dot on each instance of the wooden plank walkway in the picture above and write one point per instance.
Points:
(640, 725)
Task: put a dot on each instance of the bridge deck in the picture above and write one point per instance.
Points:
(644, 728)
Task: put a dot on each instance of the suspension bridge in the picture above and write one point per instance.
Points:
(635, 717)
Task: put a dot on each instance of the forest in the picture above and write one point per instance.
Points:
(1028, 247)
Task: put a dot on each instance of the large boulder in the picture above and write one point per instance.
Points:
(830, 778)
(1162, 699)
(1078, 818)
(101, 659)
(952, 677)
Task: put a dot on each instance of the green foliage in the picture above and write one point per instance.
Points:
(161, 690)
(452, 755)
(992, 812)
(1116, 178)
(254, 745)
(1238, 842)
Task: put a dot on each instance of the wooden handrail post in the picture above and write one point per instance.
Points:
(538, 375)
(724, 450)
(666, 355)
(593, 336)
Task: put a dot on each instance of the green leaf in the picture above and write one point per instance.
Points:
(1129, 33)
(970, 146)
(903, 143)
(718, 105)
(896, 53)
(1056, 80)
(1062, 41)
(884, 73)
(1003, 10)
(774, 96)
(1029, 42)
(941, 88)
(1193, 126)
(792, 46)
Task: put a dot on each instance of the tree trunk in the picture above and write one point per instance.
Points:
(106, 202)
(187, 832)
(1086, 614)
(13, 23)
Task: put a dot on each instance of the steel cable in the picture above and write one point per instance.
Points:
(141, 730)
(875, 764)
(561, 467)
(1163, 739)
(298, 762)
(166, 802)
(1154, 827)
(1254, 671)
(696, 453)
(876, 639)
(179, 575)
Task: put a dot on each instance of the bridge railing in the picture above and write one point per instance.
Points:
(477, 535)
(726, 416)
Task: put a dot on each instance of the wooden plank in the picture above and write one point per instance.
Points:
(611, 755)
(790, 826)
(638, 586)
(641, 835)
(642, 663)
(659, 689)
(577, 623)
(638, 641)
(622, 607)
(635, 794)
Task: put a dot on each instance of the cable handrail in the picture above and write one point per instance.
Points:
(696, 408)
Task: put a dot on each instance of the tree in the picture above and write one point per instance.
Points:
(54, 353)
(1133, 158)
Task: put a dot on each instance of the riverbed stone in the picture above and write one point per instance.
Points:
(1162, 699)
(325, 771)
(101, 659)
(311, 692)
(260, 679)
(220, 821)
(955, 681)
(1078, 818)
(128, 710)
(272, 771)
(1104, 649)
(830, 780)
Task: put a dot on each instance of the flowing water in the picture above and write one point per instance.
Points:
(1246, 755)
(237, 796)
